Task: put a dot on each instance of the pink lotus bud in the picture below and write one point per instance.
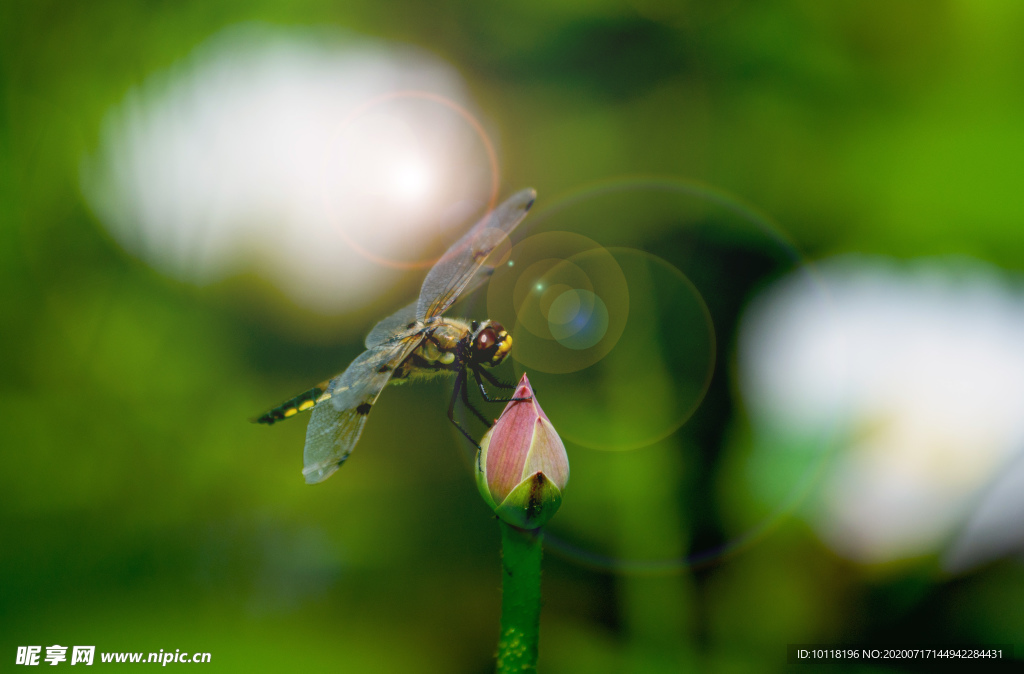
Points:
(522, 466)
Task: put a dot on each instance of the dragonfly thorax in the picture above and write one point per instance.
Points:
(453, 344)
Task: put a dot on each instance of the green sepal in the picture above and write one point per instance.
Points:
(531, 504)
(481, 479)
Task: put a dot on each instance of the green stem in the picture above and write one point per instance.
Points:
(520, 599)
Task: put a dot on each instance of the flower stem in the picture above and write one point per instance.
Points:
(520, 599)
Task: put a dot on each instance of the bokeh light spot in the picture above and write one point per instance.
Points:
(578, 319)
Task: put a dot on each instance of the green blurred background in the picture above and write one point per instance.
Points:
(140, 510)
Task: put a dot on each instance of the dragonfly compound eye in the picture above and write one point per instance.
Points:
(486, 339)
(492, 344)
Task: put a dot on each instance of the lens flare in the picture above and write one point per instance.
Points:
(646, 383)
(386, 155)
(578, 319)
(412, 179)
(550, 335)
(624, 344)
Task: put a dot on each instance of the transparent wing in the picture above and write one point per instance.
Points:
(452, 274)
(480, 276)
(393, 327)
(337, 422)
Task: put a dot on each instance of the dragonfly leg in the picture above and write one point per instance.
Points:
(460, 389)
(494, 381)
(477, 373)
(469, 405)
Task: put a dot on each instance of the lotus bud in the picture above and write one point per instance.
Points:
(522, 466)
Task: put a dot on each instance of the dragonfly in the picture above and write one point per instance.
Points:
(414, 342)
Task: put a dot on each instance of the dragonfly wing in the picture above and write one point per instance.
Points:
(481, 276)
(330, 437)
(452, 274)
(337, 422)
(395, 326)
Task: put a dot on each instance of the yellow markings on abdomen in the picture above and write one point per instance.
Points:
(299, 403)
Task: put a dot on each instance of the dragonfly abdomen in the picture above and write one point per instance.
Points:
(300, 403)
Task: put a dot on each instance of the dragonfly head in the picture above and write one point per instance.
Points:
(491, 343)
